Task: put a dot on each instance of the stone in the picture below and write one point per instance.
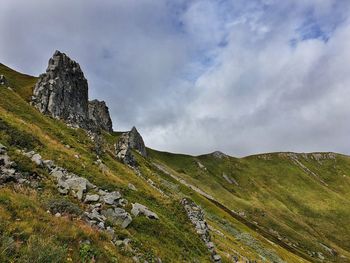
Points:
(62, 187)
(99, 115)
(96, 216)
(217, 258)
(118, 216)
(91, 198)
(3, 81)
(62, 92)
(138, 209)
(57, 173)
(132, 187)
(36, 158)
(58, 215)
(110, 198)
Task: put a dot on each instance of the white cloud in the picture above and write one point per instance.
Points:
(198, 76)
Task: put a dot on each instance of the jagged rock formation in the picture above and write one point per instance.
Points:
(196, 216)
(128, 141)
(62, 91)
(99, 115)
(3, 81)
(136, 142)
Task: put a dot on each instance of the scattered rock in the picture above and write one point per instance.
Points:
(196, 216)
(138, 209)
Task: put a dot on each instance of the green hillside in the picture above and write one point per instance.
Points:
(301, 199)
(287, 207)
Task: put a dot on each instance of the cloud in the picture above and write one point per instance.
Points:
(198, 76)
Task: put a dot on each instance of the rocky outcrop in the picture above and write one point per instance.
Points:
(219, 155)
(62, 92)
(9, 172)
(196, 216)
(3, 81)
(127, 142)
(136, 142)
(99, 115)
(102, 204)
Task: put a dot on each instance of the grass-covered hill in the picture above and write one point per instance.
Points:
(266, 208)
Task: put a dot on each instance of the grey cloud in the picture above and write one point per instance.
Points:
(198, 76)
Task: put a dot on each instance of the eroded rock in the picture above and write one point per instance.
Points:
(99, 115)
(62, 92)
(127, 142)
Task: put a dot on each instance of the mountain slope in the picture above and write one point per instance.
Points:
(302, 199)
(26, 224)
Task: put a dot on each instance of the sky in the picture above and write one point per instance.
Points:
(196, 76)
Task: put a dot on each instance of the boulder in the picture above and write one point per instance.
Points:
(111, 198)
(36, 158)
(91, 198)
(62, 92)
(77, 184)
(99, 115)
(118, 216)
(138, 209)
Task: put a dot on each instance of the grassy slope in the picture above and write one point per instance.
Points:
(169, 238)
(23, 214)
(306, 202)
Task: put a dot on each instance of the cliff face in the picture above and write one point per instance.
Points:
(62, 92)
(99, 115)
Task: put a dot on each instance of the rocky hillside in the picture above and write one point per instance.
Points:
(82, 192)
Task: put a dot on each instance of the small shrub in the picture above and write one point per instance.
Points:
(63, 206)
(87, 253)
